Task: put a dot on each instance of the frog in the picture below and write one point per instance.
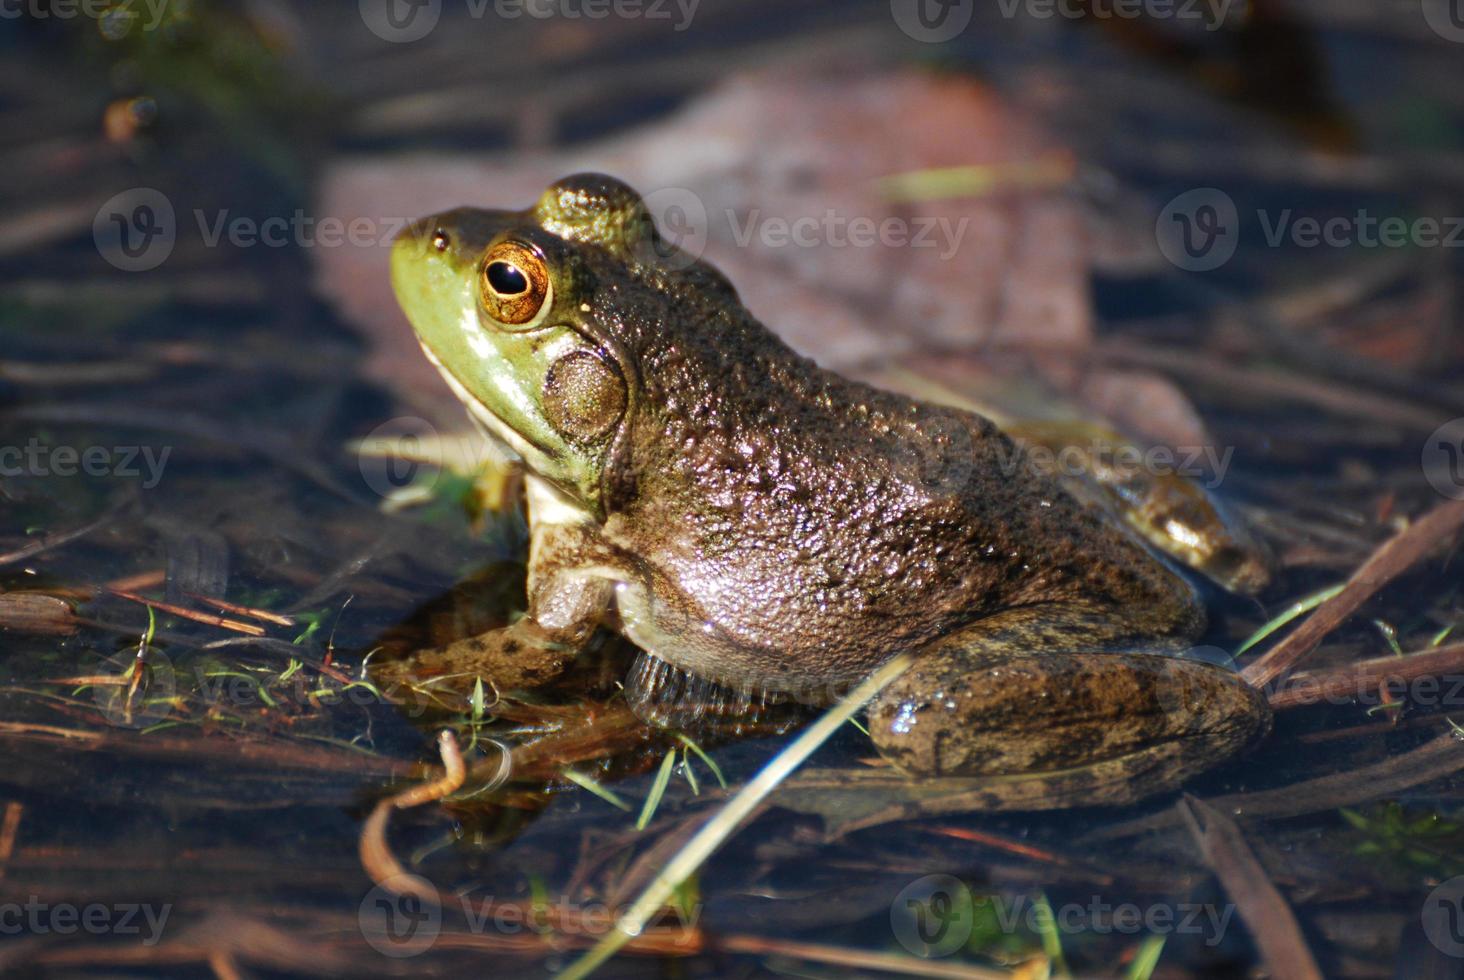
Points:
(758, 526)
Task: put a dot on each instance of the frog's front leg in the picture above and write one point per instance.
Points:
(1016, 700)
(569, 593)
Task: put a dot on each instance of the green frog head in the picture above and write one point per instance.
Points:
(510, 306)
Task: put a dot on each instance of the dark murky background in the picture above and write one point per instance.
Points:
(180, 426)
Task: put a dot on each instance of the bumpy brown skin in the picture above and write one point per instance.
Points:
(818, 526)
(828, 524)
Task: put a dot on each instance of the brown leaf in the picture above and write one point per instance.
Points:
(31, 612)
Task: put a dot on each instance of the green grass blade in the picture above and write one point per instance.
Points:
(1146, 959)
(1298, 608)
(658, 790)
(586, 783)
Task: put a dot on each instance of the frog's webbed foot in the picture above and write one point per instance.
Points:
(523, 655)
(1010, 701)
(570, 591)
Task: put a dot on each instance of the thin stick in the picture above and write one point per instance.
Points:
(53, 541)
(861, 959)
(185, 613)
(9, 829)
(238, 610)
(1396, 556)
(1265, 911)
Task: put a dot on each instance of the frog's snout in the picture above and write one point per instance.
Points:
(415, 234)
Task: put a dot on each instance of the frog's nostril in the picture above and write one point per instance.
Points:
(421, 231)
(441, 241)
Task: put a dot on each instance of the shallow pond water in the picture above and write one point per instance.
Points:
(226, 488)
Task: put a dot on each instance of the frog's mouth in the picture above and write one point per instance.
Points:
(513, 446)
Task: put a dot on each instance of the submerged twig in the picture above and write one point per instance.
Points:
(1396, 556)
(230, 607)
(9, 830)
(1355, 679)
(185, 613)
(1434, 759)
(54, 541)
(1269, 917)
(863, 959)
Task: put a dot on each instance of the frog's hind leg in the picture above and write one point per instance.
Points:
(1016, 698)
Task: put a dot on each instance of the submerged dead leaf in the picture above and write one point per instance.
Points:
(32, 612)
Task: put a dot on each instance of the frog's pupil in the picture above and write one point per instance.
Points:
(506, 279)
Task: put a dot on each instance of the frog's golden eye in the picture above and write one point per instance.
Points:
(515, 284)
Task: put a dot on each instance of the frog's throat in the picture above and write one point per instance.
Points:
(501, 435)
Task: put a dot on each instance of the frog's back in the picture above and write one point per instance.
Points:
(831, 523)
